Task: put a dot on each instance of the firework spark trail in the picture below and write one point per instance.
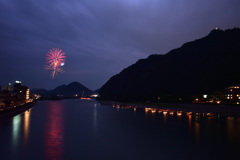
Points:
(55, 60)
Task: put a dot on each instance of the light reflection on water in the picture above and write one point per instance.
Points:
(54, 132)
(196, 121)
(189, 123)
(197, 132)
(95, 117)
(16, 130)
(75, 129)
(26, 125)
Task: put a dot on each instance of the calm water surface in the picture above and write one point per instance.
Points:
(78, 129)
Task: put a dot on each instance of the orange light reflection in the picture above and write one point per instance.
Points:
(26, 124)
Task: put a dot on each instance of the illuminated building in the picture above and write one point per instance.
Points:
(13, 96)
(22, 92)
(232, 93)
(27, 94)
(17, 85)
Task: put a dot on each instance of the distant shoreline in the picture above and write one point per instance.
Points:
(223, 110)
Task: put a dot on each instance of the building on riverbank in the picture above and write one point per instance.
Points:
(232, 94)
(14, 95)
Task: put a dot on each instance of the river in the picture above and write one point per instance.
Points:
(84, 129)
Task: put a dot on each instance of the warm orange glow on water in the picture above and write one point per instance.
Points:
(118, 107)
(26, 124)
(148, 109)
(194, 120)
(135, 109)
(197, 132)
(165, 117)
(82, 98)
(154, 110)
(190, 123)
(179, 113)
(151, 110)
(231, 128)
(165, 112)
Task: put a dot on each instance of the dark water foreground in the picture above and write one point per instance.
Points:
(81, 129)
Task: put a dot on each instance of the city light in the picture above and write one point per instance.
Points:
(94, 95)
(165, 112)
(83, 98)
(27, 94)
(179, 113)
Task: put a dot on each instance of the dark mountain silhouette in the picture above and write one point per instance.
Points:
(202, 66)
(66, 90)
(40, 91)
(97, 90)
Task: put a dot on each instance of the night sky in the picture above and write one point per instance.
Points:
(100, 38)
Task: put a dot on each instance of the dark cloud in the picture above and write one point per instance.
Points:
(100, 37)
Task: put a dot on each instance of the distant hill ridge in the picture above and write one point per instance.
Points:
(66, 90)
(202, 66)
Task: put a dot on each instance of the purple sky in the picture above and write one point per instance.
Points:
(100, 38)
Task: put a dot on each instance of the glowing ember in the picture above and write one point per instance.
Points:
(55, 60)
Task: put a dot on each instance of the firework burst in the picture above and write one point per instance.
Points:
(55, 59)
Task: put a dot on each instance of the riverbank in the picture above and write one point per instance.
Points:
(223, 110)
(10, 112)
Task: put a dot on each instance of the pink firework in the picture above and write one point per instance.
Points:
(55, 60)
